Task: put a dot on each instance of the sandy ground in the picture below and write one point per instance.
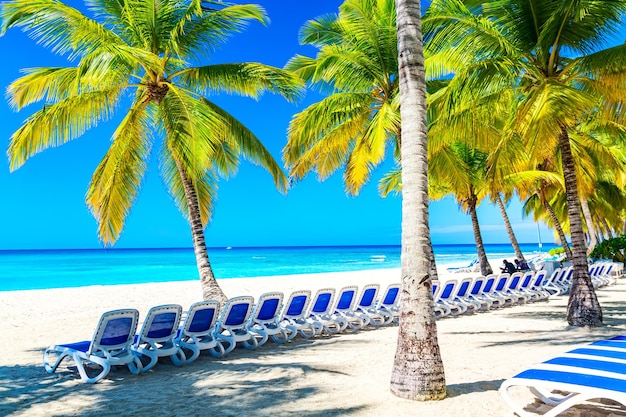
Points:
(342, 375)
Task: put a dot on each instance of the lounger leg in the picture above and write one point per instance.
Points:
(62, 354)
(80, 364)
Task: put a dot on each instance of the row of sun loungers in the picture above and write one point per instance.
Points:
(206, 326)
(474, 294)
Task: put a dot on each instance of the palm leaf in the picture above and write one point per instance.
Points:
(117, 180)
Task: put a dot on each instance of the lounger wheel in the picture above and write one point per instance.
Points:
(281, 337)
(250, 344)
(178, 358)
(307, 333)
(217, 351)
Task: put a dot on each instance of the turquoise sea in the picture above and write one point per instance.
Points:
(39, 269)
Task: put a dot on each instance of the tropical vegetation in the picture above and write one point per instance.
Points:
(148, 58)
(613, 249)
(568, 87)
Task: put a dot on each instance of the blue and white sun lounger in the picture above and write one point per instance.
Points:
(232, 327)
(110, 346)
(474, 266)
(321, 313)
(295, 314)
(365, 307)
(344, 311)
(595, 371)
(265, 319)
(156, 338)
(197, 332)
(389, 305)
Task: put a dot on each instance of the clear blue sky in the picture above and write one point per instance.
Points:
(43, 202)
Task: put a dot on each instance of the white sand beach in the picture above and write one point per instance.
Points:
(342, 375)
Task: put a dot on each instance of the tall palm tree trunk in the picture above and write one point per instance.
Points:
(591, 229)
(417, 372)
(509, 229)
(583, 308)
(210, 288)
(557, 226)
(607, 229)
(485, 267)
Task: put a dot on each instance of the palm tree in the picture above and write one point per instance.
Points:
(417, 372)
(144, 53)
(357, 64)
(548, 52)
(459, 170)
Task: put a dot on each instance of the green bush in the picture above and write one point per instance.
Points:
(612, 249)
(556, 251)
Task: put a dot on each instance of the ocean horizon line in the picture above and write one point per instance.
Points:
(270, 247)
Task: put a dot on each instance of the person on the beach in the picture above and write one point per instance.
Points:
(522, 265)
(508, 268)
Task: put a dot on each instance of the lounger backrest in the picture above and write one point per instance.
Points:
(515, 281)
(236, 312)
(463, 287)
(347, 298)
(477, 286)
(490, 280)
(555, 275)
(323, 301)
(368, 296)
(201, 318)
(297, 304)
(559, 278)
(161, 323)
(527, 280)
(447, 291)
(567, 274)
(115, 330)
(539, 278)
(501, 282)
(436, 289)
(391, 297)
(268, 307)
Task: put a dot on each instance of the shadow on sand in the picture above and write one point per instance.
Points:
(243, 383)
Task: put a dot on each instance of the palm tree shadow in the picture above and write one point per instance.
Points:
(463, 388)
(243, 383)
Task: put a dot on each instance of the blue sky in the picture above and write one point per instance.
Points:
(43, 202)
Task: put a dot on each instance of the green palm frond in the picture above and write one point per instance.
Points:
(117, 180)
(59, 123)
(391, 182)
(196, 36)
(66, 31)
(243, 142)
(192, 133)
(248, 79)
(43, 84)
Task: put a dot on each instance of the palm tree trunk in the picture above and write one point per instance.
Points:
(509, 229)
(558, 227)
(210, 288)
(607, 228)
(583, 308)
(485, 267)
(593, 235)
(417, 372)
